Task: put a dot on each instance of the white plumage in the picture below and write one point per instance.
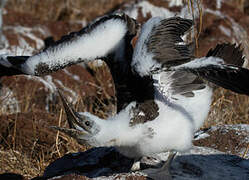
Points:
(172, 130)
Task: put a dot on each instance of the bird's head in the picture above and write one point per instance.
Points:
(82, 125)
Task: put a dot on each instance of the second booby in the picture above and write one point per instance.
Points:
(163, 91)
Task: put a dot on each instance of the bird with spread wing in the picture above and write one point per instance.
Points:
(163, 91)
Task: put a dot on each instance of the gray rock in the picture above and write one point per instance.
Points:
(107, 163)
(232, 139)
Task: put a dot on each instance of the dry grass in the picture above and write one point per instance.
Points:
(29, 156)
(228, 108)
(16, 162)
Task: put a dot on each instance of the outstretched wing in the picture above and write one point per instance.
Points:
(160, 45)
(169, 49)
(104, 36)
(221, 66)
(161, 52)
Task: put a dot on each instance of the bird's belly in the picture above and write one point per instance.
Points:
(168, 133)
(174, 127)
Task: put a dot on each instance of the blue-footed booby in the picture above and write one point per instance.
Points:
(163, 91)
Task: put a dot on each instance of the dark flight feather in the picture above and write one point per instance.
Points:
(229, 75)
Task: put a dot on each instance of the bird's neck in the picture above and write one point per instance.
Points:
(129, 86)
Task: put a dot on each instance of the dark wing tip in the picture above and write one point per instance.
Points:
(230, 74)
(229, 77)
(230, 53)
(15, 65)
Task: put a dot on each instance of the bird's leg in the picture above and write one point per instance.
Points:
(167, 164)
(162, 173)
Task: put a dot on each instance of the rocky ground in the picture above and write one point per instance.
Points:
(30, 105)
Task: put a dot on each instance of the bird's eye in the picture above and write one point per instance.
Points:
(87, 123)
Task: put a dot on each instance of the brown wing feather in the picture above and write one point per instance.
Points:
(149, 110)
(186, 84)
(166, 42)
(181, 82)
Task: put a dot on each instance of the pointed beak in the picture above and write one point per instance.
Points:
(74, 120)
(71, 132)
(82, 126)
(70, 112)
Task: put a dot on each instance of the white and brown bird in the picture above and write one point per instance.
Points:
(163, 92)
